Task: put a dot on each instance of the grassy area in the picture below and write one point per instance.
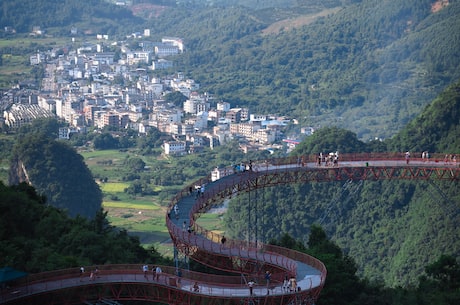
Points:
(13, 68)
(140, 216)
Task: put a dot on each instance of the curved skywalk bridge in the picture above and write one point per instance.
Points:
(248, 260)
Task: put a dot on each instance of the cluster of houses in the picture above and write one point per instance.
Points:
(88, 87)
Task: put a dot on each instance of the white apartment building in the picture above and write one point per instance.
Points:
(244, 129)
(264, 136)
(166, 50)
(175, 147)
(219, 173)
(161, 64)
(223, 106)
(138, 57)
(174, 41)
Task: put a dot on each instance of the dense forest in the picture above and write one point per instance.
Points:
(37, 237)
(370, 67)
(391, 228)
(59, 16)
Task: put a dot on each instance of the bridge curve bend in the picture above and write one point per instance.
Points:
(248, 260)
(252, 259)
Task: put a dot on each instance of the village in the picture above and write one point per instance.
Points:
(88, 87)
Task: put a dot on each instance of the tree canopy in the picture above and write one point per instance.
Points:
(37, 237)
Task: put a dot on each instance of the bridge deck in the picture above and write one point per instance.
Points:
(307, 272)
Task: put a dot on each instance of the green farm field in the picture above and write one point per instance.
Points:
(142, 216)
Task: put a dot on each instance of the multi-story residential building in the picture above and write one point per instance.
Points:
(190, 106)
(175, 128)
(219, 173)
(65, 132)
(166, 50)
(234, 115)
(244, 114)
(175, 41)
(166, 115)
(105, 57)
(196, 104)
(174, 147)
(264, 136)
(137, 57)
(223, 106)
(177, 84)
(67, 106)
(161, 64)
(213, 141)
(37, 59)
(47, 103)
(110, 119)
(214, 115)
(244, 129)
(187, 129)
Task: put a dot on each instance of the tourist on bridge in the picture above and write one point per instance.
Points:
(407, 157)
(82, 272)
(176, 211)
(285, 284)
(268, 277)
(251, 284)
(196, 288)
(158, 272)
(292, 284)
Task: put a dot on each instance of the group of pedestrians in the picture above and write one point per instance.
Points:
(243, 167)
(450, 159)
(289, 284)
(93, 274)
(156, 272)
(331, 159)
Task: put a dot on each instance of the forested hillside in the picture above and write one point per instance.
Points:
(55, 169)
(370, 67)
(392, 229)
(59, 16)
(36, 237)
(436, 129)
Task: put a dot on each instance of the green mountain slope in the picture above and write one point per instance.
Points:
(370, 67)
(59, 16)
(437, 128)
(36, 237)
(56, 171)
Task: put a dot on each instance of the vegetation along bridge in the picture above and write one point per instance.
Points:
(248, 260)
